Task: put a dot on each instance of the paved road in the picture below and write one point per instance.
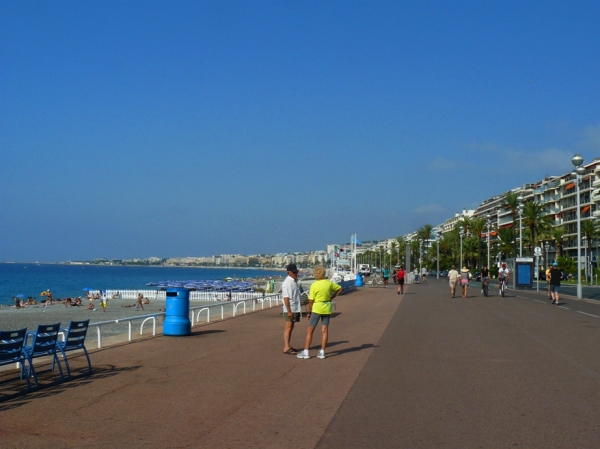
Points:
(419, 371)
(477, 373)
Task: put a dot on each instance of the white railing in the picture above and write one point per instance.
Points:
(194, 295)
(273, 300)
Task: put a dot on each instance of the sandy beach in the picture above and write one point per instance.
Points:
(12, 318)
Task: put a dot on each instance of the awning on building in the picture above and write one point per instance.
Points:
(570, 186)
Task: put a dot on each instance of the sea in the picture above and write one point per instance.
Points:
(30, 279)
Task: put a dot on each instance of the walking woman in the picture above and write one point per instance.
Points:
(322, 291)
(464, 281)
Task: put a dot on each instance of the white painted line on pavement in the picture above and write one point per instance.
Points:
(522, 297)
(588, 314)
(563, 307)
(537, 300)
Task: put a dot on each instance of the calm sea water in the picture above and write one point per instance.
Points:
(70, 280)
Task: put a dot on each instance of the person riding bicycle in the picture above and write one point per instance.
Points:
(503, 277)
(485, 277)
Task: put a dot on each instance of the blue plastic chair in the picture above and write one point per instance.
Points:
(11, 349)
(43, 344)
(74, 340)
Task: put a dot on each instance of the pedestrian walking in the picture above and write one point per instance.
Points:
(416, 273)
(400, 275)
(555, 277)
(548, 281)
(464, 281)
(452, 280)
(394, 273)
(386, 276)
(291, 306)
(322, 291)
(424, 274)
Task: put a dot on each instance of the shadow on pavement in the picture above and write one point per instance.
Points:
(353, 349)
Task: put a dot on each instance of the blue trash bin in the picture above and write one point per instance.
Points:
(177, 313)
(359, 280)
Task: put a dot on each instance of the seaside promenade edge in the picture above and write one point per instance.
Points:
(226, 385)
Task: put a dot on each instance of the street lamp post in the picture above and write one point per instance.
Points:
(584, 243)
(520, 209)
(488, 218)
(437, 240)
(577, 174)
(547, 247)
(420, 255)
(461, 232)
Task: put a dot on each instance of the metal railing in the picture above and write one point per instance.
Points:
(195, 312)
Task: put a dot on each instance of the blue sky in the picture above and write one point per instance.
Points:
(188, 128)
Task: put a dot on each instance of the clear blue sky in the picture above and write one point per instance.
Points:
(188, 128)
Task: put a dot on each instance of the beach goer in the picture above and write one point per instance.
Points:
(485, 275)
(424, 274)
(555, 277)
(291, 306)
(464, 280)
(322, 291)
(400, 275)
(452, 280)
(17, 302)
(139, 302)
(147, 301)
(386, 276)
(104, 300)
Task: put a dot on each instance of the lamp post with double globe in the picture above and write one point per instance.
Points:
(577, 175)
(547, 247)
(488, 219)
(461, 233)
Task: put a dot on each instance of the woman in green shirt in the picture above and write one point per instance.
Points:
(322, 291)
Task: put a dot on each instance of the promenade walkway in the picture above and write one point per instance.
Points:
(418, 371)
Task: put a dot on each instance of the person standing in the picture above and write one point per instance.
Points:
(464, 281)
(103, 300)
(548, 281)
(386, 276)
(555, 276)
(485, 276)
(394, 273)
(139, 302)
(322, 291)
(424, 274)
(291, 306)
(452, 280)
(400, 275)
(416, 273)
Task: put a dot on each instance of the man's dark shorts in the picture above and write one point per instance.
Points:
(295, 318)
(314, 319)
(401, 281)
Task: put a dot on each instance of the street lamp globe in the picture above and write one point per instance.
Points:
(577, 160)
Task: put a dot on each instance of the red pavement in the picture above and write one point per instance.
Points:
(227, 385)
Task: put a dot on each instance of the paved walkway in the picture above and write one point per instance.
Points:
(418, 371)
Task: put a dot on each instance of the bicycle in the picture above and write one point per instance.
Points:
(375, 279)
(486, 287)
(503, 286)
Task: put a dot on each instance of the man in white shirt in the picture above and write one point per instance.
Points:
(452, 280)
(503, 276)
(291, 306)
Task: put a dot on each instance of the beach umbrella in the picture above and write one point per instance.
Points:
(44, 293)
(20, 295)
(87, 289)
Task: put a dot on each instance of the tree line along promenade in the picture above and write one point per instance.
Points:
(541, 214)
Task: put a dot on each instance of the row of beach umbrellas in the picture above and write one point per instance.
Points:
(205, 285)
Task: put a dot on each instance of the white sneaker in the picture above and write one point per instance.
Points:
(303, 354)
(321, 354)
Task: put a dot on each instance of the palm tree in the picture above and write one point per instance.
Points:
(558, 235)
(510, 202)
(424, 235)
(477, 227)
(590, 230)
(506, 239)
(536, 220)
(393, 248)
